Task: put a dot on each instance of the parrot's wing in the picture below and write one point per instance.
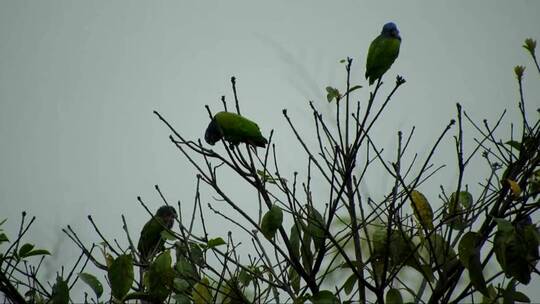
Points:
(383, 51)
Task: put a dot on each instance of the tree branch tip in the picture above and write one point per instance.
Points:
(89, 217)
(284, 111)
(24, 213)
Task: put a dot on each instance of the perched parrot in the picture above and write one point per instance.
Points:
(150, 241)
(383, 51)
(235, 129)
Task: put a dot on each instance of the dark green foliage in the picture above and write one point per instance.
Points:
(160, 277)
(316, 227)
(516, 249)
(469, 255)
(271, 221)
(93, 282)
(393, 296)
(324, 297)
(60, 292)
(121, 275)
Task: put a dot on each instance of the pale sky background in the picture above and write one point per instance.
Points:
(79, 81)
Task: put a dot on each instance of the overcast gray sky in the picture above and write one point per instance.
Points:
(79, 81)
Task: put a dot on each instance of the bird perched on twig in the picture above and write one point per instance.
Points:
(151, 241)
(234, 129)
(383, 51)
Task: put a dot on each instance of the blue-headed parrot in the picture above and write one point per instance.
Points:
(383, 51)
(150, 241)
(234, 129)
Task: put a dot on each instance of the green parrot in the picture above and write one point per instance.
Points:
(150, 241)
(234, 129)
(383, 51)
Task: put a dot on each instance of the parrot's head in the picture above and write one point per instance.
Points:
(213, 133)
(167, 214)
(390, 30)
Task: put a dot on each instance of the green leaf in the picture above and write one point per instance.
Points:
(245, 277)
(294, 278)
(186, 269)
(201, 292)
(181, 285)
(316, 227)
(25, 249)
(305, 251)
(465, 199)
(469, 255)
(37, 252)
(354, 88)
(181, 299)
(60, 292)
(378, 239)
(442, 251)
(516, 250)
(324, 297)
(160, 276)
(332, 93)
(197, 255)
(393, 296)
(514, 144)
(349, 284)
(422, 209)
(271, 222)
(476, 275)
(120, 275)
(521, 297)
(467, 247)
(3, 238)
(456, 209)
(294, 239)
(215, 242)
(93, 282)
